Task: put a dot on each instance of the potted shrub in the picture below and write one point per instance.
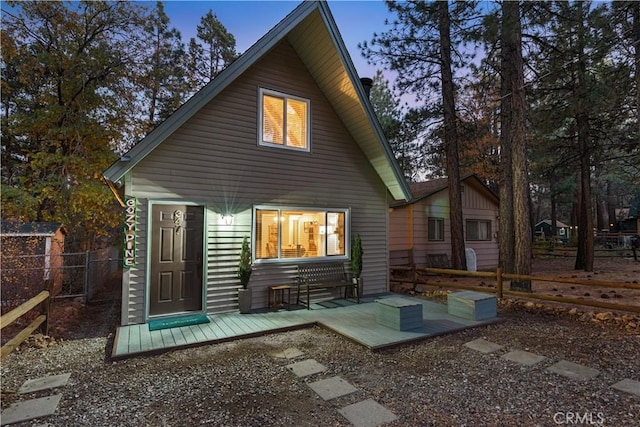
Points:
(356, 261)
(244, 274)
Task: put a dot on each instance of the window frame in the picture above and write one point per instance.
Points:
(438, 220)
(478, 221)
(279, 259)
(285, 96)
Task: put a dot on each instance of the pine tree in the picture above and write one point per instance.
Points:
(163, 72)
(212, 51)
(65, 65)
(423, 46)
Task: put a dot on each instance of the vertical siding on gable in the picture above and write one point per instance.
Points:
(215, 160)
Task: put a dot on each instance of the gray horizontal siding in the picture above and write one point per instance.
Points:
(215, 160)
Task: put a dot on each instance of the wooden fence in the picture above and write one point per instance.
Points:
(499, 277)
(43, 299)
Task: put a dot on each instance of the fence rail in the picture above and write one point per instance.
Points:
(42, 321)
(499, 290)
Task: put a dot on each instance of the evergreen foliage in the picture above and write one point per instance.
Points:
(244, 266)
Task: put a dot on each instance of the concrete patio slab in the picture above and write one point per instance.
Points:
(332, 388)
(573, 371)
(30, 409)
(629, 386)
(289, 353)
(523, 357)
(306, 368)
(367, 413)
(483, 346)
(44, 383)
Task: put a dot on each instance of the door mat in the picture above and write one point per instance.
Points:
(177, 322)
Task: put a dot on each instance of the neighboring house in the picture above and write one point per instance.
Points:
(543, 230)
(283, 147)
(31, 257)
(627, 220)
(422, 225)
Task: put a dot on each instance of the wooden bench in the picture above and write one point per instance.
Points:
(326, 275)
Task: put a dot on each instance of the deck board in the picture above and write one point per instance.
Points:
(145, 339)
(189, 336)
(134, 340)
(355, 321)
(178, 337)
(212, 330)
(198, 334)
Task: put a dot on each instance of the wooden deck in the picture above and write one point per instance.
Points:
(356, 322)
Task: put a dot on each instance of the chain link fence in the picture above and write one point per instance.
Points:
(94, 276)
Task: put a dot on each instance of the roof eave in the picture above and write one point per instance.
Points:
(398, 189)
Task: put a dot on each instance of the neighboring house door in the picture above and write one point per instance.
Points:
(176, 259)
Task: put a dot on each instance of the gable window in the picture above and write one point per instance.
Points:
(284, 121)
(436, 229)
(477, 229)
(290, 233)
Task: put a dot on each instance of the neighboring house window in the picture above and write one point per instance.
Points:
(284, 121)
(478, 229)
(436, 229)
(289, 233)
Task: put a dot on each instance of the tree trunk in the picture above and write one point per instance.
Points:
(636, 42)
(584, 255)
(554, 215)
(515, 225)
(512, 43)
(458, 259)
(506, 241)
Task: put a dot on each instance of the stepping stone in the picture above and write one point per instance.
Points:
(573, 370)
(483, 346)
(44, 383)
(523, 357)
(30, 409)
(367, 413)
(332, 388)
(306, 368)
(629, 386)
(289, 353)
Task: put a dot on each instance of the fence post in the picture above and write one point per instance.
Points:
(86, 275)
(414, 276)
(46, 308)
(499, 282)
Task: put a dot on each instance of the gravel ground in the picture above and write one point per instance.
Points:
(438, 382)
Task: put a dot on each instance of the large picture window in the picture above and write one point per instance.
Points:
(284, 120)
(289, 233)
(477, 229)
(436, 229)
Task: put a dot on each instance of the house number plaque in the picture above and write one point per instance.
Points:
(129, 257)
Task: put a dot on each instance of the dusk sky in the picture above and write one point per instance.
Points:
(250, 20)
